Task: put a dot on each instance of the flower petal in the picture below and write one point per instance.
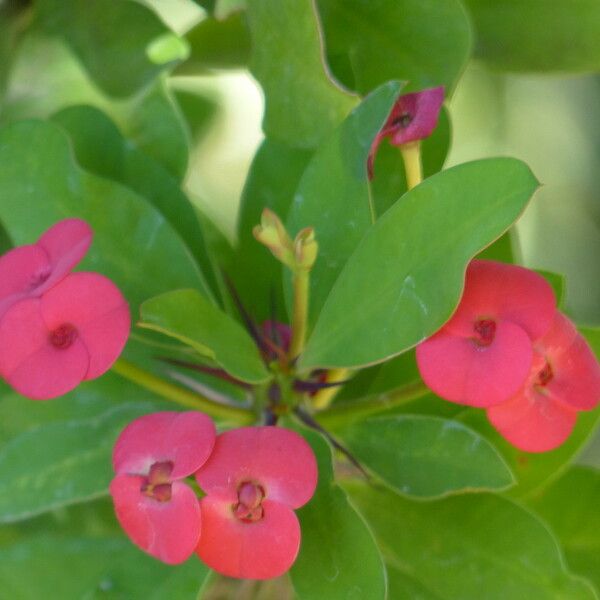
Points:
(576, 372)
(167, 530)
(261, 550)
(504, 292)
(532, 421)
(278, 459)
(65, 243)
(461, 371)
(20, 271)
(184, 438)
(96, 307)
(28, 361)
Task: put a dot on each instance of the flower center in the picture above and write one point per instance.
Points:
(249, 507)
(157, 484)
(544, 377)
(485, 330)
(38, 278)
(63, 336)
(403, 120)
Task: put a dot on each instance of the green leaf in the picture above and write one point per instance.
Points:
(59, 453)
(272, 181)
(156, 126)
(558, 283)
(368, 43)
(133, 244)
(405, 278)
(426, 456)
(109, 38)
(100, 148)
(333, 194)
(464, 546)
(189, 317)
(570, 507)
(536, 35)
(338, 557)
(389, 181)
(217, 44)
(302, 103)
(72, 568)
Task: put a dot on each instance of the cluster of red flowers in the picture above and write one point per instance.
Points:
(509, 350)
(253, 478)
(57, 328)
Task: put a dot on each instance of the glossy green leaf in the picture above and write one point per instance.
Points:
(424, 42)
(110, 38)
(537, 35)
(73, 568)
(57, 453)
(426, 456)
(133, 243)
(570, 507)
(157, 128)
(338, 557)
(405, 278)
(271, 183)
(466, 546)
(558, 283)
(189, 317)
(333, 195)
(302, 104)
(101, 149)
(217, 44)
(501, 250)
(389, 181)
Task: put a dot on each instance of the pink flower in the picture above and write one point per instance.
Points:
(159, 512)
(413, 117)
(29, 271)
(564, 379)
(254, 479)
(483, 354)
(73, 332)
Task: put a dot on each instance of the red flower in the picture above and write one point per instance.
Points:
(160, 513)
(564, 378)
(483, 354)
(29, 271)
(73, 332)
(413, 117)
(253, 480)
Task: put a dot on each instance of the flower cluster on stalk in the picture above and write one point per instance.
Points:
(57, 328)
(509, 350)
(252, 477)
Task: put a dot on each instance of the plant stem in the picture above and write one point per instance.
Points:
(301, 283)
(411, 154)
(323, 398)
(365, 407)
(180, 395)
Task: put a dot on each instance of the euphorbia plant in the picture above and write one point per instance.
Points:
(367, 394)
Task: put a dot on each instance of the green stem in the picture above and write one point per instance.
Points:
(411, 154)
(340, 414)
(301, 284)
(180, 395)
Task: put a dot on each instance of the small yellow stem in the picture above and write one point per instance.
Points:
(411, 154)
(180, 395)
(301, 284)
(323, 398)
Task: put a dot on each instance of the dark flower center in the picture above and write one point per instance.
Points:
(63, 336)
(249, 508)
(403, 120)
(157, 484)
(485, 330)
(545, 376)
